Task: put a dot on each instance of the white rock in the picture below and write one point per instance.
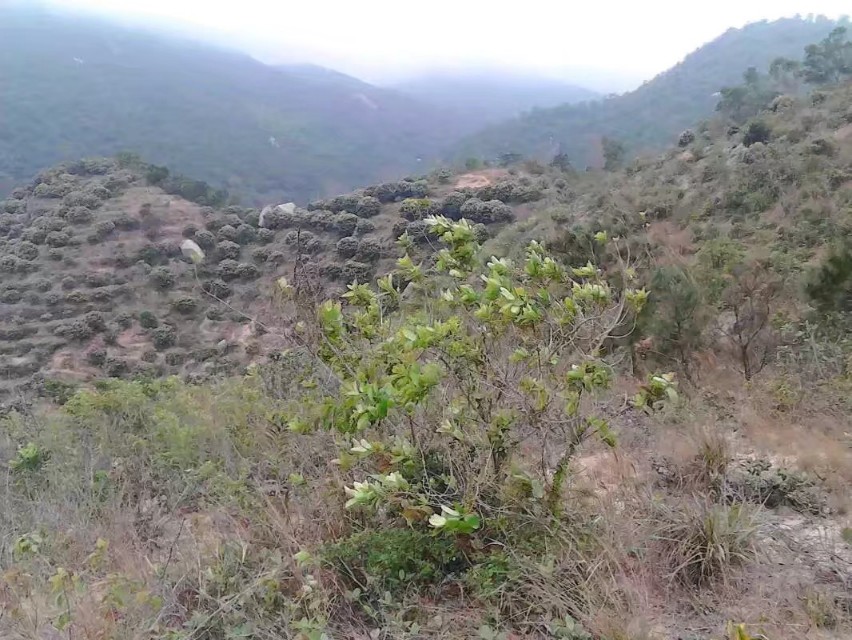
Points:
(191, 251)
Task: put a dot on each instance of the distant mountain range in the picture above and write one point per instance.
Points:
(492, 96)
(73, 86)
(648, 118)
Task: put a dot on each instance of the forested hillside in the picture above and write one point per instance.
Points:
(650, 117)
(74, 86)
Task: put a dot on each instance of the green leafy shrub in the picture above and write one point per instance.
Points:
(147, 320)
(418, 209)
(394, 559)
(526, 193)
(301, 238)
(829, 286)
(476, 210)
(276, 257)
(265, 236)
(77, 297)
(124, 320)
(9, 263)
(363, 227)
(77, 330)
(163, 337)
(368, 207)
(205, 239)
(757, 131)
(395, 191)
(10, 296)
(217, 288)
(175, 358)
(501, 190)
(52, 299)
(247, 271)
(115, 367)
(342, 223)
(96, 357)
(185, 305)
(410, 383)
(354, 270)
(27, 251)
(57, 239)
(347, 247)
(369, 250)
(162, 278)
(43, 285)
(227, 250)
(125, 222)
(260, 255)
(452, 204)
(104, 229)
(95, 320)
(79, 215)
(758, 481)
(29, 459)
(246, 234)
(87, 199)
(226, 232)
(228, 270)
(35, 235)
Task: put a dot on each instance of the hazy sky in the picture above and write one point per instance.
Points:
(626, 41)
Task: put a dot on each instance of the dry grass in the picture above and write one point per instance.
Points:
(704, 543)
(636, 561)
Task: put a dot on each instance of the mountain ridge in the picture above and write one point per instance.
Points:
(488, 96)
(651, 116)
(96, 88)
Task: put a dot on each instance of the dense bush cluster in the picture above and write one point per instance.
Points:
(418, 208)
(396, 191)
(489, 212)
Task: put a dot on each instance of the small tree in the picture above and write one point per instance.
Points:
(562, 162)
(830, 60)
(829, 286)
(613, 153)
(757, 131)
(749, 300)
(786, 74)
(675, 318)
(509, 158)
(439, 386)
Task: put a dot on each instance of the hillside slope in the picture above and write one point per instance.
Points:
(73, 86)
(650, 117)
(129, 302)
(488, 97)
(618, 405)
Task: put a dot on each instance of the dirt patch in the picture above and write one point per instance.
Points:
(166, 215)
(70, 364)
(479, 179)
(844, 133)
(677, 240)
